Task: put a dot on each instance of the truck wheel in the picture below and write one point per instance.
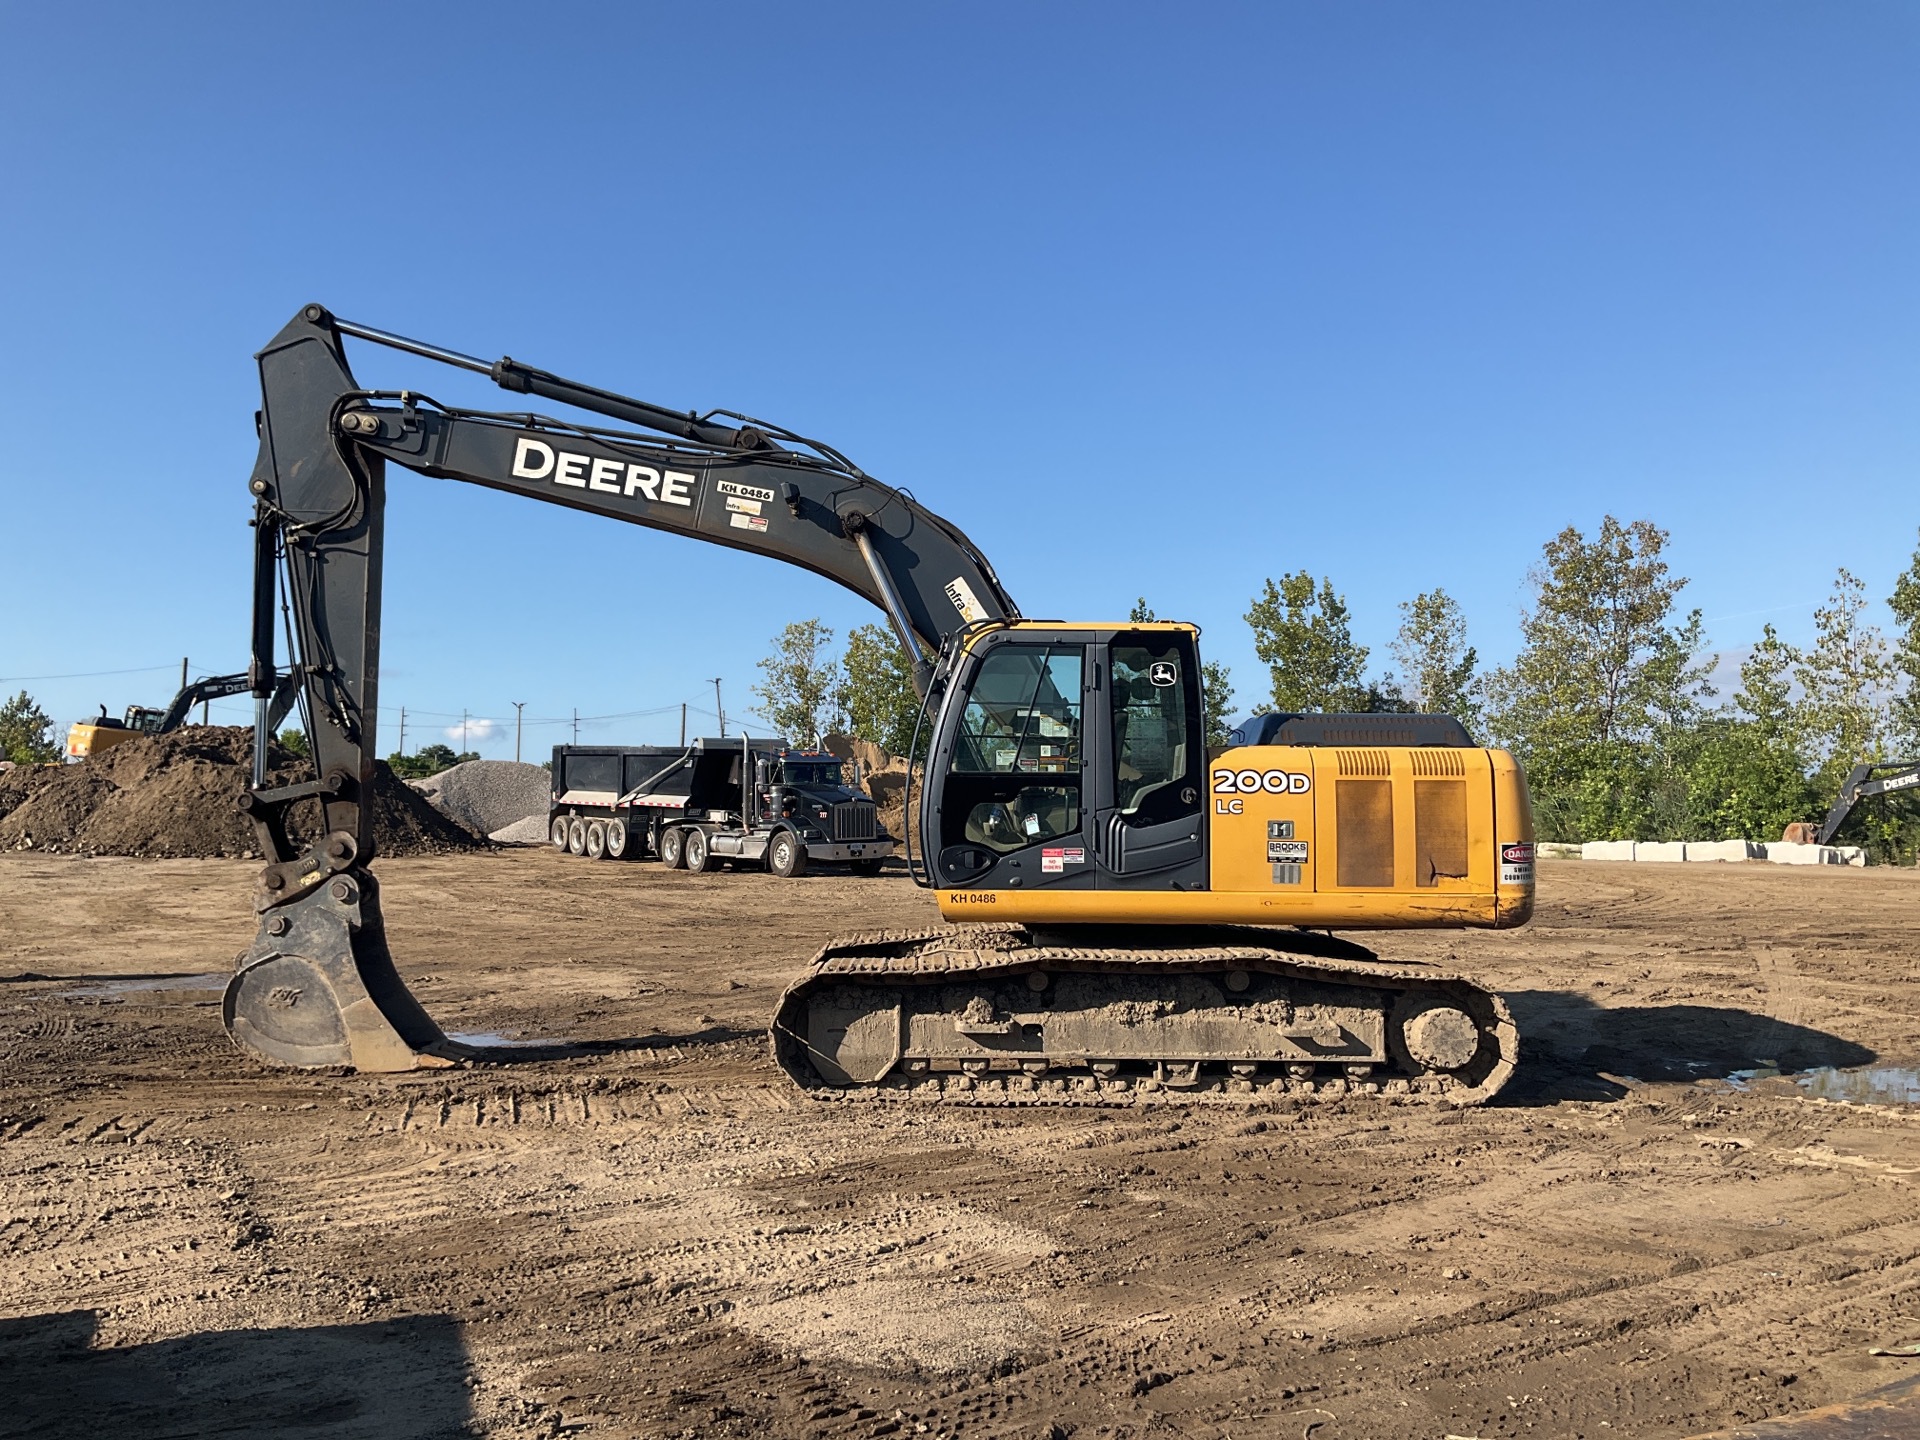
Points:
(786, 856)
(616, 839)
(673, 848)
(596, 839)
(559, 832)
(576, 836)
(699, 857)
(865, 867)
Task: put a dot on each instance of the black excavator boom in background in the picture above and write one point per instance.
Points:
(1865, 782)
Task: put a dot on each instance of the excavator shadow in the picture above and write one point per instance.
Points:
(400, 1379)
(493, 1049)
(1573, 1049)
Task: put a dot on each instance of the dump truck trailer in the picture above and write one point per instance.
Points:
(713, 801)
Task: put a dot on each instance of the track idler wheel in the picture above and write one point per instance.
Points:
(318, 987)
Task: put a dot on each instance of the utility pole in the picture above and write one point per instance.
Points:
(683, 724)
(519, 706)
(463, 731)
(576, 724)
(403, 730)
(720, 710)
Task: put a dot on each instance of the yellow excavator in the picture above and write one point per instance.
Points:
(1134, 920)
(92, 737)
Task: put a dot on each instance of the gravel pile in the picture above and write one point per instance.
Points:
(488, 795)
(530, 831)
(173, 795)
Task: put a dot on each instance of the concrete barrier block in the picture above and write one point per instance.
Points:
(1787, 852)
(1661, 850)
(1554, 850)
(1725, 850)
(1607, 850)
(1850, 854)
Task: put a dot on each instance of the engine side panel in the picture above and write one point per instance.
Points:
(1378, 838)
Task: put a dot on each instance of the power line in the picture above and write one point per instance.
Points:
(88, 674)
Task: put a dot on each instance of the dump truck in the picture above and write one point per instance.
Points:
(714, 801)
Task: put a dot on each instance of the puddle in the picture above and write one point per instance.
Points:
(497, 1040)
(1867, 1085)
(213, 980)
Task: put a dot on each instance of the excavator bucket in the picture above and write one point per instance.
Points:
(318, 988)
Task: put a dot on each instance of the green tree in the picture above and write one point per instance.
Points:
(293, 739)
(878, 692)
(428, 760)
(1846, 679)
(801, 685)
(1436, 663)
(1601, 681)
(1677, 696)
(26, 732)
(1905, 706)
(1216, 687)
(1748, 779)
(1301, 632)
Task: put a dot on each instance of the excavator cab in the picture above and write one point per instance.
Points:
(1069, 758)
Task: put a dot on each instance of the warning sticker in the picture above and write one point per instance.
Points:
(1054, 861)
(743, 507)
(1516, 863)
(747, 522)
(1286, 852)
(745, 492)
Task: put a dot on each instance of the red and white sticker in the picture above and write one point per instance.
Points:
(747, 522)
(1516, 863)
(1055, 862)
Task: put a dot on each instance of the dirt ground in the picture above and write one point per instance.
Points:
(654, 1236)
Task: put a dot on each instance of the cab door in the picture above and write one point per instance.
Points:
(1149, 823)
(1012, 766)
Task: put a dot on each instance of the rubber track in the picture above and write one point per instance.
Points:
(930, 954)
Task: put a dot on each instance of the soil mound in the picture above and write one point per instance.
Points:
(174, 795)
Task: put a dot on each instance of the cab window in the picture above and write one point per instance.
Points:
(1150, 734)
(1015, 776)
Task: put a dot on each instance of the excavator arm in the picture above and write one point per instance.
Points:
(1864, 782)
(318, 986)
(285, 693)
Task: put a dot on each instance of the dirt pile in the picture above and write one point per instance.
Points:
(883, 775)
(174, 795)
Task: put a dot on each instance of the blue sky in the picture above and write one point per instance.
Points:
(1150, 301)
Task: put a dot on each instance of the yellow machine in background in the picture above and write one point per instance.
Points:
(91, 737)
